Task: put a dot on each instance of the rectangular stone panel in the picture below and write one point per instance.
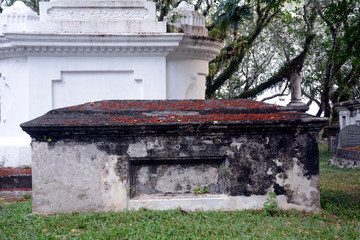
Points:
(75, 87)
(174, 176)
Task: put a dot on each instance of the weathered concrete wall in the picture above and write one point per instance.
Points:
(80, 175)
(69, 176)
(160, 166)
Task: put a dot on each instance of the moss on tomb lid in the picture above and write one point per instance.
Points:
(165, 112)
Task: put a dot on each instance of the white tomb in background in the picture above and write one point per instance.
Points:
(89, 50)
(349, 113)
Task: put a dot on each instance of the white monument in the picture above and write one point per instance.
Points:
(90, 50)
(349, 113)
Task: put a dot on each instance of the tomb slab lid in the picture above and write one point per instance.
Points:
(347, 103)
(167, 112)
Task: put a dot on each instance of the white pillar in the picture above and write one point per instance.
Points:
(296, 102)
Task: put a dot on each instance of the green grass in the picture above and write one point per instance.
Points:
(339, 219)
(339, 188)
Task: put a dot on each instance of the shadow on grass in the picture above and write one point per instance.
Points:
(342, 204)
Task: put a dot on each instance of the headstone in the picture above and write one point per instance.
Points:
(349, 136)
(347, 154)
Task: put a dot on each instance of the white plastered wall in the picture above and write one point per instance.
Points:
(14, 91)
(186, 78)
(36, 85)
(69, 81)
(348, 118)
(32, 86)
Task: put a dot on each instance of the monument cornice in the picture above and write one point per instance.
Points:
(198, 47)
(41, 44)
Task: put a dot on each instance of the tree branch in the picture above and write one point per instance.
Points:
(243, 48)
(312, 99)
(279, 94)
(294, 66)
(197, 4)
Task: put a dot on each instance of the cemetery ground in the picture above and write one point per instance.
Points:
(338, 219)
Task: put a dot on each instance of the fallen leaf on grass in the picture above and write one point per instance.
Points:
(44, 230)
(74, 230)
(185, 211)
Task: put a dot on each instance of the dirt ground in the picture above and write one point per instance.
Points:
(12, 199)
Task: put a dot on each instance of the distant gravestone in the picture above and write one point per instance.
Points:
(349, 136)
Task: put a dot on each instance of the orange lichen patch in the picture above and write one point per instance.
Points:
(71, 122)
(15, 189)
(184, 105)
(357, 148)
(15, 171)
(221, 117)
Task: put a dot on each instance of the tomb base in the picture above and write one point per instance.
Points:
(345, 158)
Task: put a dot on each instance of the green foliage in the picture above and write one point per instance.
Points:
(339, 188)
(231, 13)
(200, 190)
(343, 17)
(27, 196)
(335, 61)
(270, 205)
(33, 4)
(47, 139)
(7, 2)
(173, 17)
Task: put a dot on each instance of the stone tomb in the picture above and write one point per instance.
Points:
(161, 154)
(348, 152)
